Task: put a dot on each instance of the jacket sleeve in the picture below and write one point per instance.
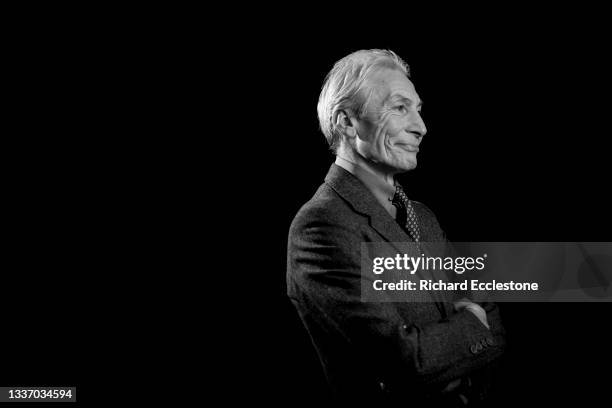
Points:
(324, 260)
(436, 234)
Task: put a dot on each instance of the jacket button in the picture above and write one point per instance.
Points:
(473, 349)
(382, 386)
(490, 341)
(484, 343)
(479, 347)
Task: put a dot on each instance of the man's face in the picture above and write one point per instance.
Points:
(392, 129)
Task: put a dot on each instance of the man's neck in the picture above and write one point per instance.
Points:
(379, 171)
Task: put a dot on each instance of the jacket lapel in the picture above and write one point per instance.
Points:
(351, 189)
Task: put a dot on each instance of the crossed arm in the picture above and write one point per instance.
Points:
(326, 281)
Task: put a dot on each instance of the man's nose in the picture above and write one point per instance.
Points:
(417, 126)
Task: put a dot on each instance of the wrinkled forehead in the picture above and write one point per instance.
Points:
(386, 84)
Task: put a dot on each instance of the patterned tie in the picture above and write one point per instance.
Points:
(406, 216)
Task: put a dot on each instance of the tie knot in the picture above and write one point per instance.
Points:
(400, 196)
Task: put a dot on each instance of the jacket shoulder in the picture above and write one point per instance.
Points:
(326, 207)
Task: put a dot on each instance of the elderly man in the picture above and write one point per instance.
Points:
(425, 353)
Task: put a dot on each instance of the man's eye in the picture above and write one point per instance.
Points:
(400, 108)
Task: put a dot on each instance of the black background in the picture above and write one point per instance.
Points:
(113, 133)
(516, 150)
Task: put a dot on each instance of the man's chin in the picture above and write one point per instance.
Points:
(405, 162)
(406, 166)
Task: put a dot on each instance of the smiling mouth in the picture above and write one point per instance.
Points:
(408, 147)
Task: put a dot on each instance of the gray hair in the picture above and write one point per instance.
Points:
(344, 87)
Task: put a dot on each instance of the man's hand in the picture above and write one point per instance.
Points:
(478, 311)
(451, 386)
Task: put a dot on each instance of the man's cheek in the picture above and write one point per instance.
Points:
(388, 137)
(383, 133)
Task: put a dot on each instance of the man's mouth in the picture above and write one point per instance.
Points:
(408, 147)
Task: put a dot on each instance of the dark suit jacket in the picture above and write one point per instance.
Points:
(376, 350)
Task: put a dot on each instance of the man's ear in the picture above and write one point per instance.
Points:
(346, 124)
